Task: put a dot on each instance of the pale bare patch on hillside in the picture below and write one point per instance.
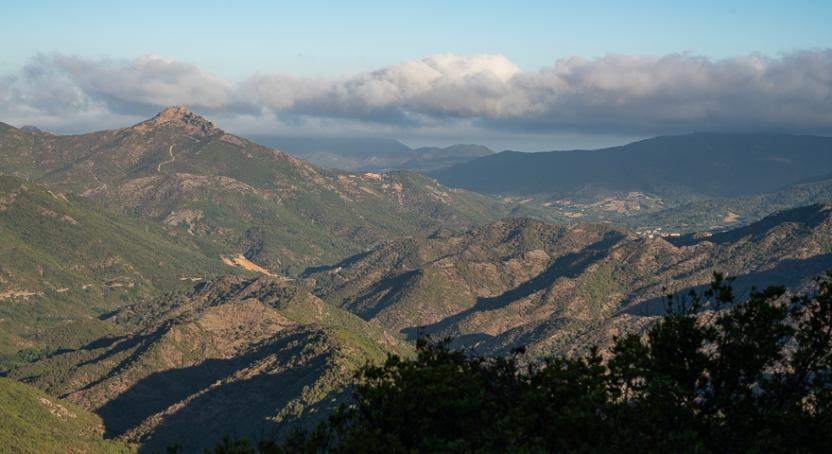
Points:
(731, 218)
(57, 410)
(13, 293)
(185, 216)
(240, 261)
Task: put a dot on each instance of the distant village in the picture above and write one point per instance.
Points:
(656, 232)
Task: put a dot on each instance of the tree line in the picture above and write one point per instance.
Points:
(712, 375)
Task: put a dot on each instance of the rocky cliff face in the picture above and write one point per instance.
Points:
(179, 118)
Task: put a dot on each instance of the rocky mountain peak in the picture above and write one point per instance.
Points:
(175, 112)
(28, 129)
(180, 117)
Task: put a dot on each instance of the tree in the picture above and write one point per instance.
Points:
(715, 376)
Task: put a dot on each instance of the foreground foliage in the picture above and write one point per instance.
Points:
(753, 378)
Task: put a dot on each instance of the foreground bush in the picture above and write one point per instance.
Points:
(752, 378)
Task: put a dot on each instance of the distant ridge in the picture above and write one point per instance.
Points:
(371, 154)
(31, 129)
(703, 164)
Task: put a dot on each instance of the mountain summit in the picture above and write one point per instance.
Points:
(180, 170)
(179, 117)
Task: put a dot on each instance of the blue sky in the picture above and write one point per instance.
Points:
(211, 44)
(314, 38)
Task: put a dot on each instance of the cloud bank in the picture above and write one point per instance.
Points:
(615, 94)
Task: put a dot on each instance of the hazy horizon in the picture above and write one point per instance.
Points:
(507, 143)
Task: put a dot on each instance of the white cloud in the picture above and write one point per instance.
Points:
(616, 94)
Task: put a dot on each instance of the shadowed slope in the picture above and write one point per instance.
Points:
(523, 282)
(261, 350)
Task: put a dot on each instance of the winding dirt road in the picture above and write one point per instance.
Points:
(169, 161)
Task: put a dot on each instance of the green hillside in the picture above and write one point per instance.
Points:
(35, 423)
(720, 213)
(66, 261)
(183, 283)
(279, 211)
(522, 282)
(251, 357)
(371, 154)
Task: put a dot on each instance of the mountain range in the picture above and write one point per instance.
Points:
(691, 182)
(168, 282)
(692, 165)
(257, 356)
(550, 288)
(178, 169)
(372, 154)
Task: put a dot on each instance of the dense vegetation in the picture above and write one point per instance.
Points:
(237, 354)
(32, 422)
(555, 288)
(179, 169)
(110, 243)
(753, 378)
(65, 261)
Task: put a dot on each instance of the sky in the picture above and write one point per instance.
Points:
(522, 74)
